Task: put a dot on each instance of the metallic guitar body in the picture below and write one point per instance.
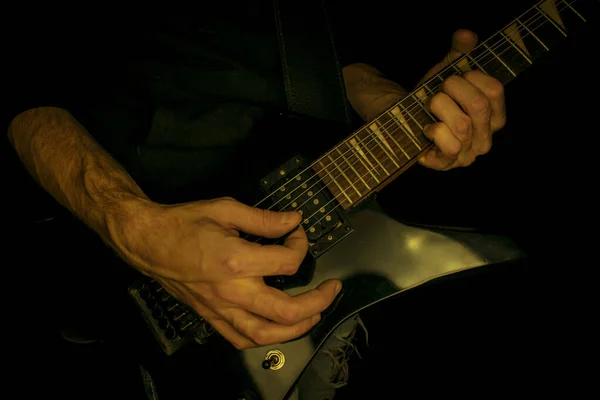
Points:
(380, 259)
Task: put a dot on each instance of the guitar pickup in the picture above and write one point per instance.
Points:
(295, 186)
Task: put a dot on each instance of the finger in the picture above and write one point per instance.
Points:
(494, 91)
(278, 306)
(187, 295)
(463, 41)
(476, 105)
(263, 332)
(252, 220)
(443, 107)
(447, 143)
(435, 159)
(247, 259)
(226, 330)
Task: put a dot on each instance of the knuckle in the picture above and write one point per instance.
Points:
(495, 90)
(260, 335)
(452, 152)
(465, 161)
(232, 265)
(481, 105)
(483, 148)
(227, 200)
(462, 125)
(222, 292)
(498, 123)
(290, 314)
(289, 268)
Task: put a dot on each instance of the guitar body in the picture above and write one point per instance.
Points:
(379, 260)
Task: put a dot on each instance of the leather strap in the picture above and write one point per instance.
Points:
(311, 69)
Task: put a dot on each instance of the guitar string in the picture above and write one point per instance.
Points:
(363, 176)
(365, 145)
(415, 106)
(343, 191)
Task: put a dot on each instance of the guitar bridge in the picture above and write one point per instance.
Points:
(295, 186)
(172, 323)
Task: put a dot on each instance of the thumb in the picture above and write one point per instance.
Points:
(256, 221)
(463, 42)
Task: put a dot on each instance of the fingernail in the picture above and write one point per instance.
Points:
(338, 287)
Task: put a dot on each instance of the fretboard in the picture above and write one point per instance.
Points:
(380, 150)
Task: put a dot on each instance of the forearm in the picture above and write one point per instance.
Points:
(68, 163)
(368, 91)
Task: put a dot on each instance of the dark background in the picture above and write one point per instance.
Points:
(507, 328)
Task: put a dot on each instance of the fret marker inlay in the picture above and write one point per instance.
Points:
(362, 154)
(404, 124)
(464, 65)
(549, 7)
(513, 33)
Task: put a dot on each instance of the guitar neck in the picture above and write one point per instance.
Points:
(380, 150)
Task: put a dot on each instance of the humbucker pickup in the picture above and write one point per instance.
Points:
(295, 186)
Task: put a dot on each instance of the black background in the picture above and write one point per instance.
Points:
(502, 328)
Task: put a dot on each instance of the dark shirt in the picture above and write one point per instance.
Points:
(173, 97)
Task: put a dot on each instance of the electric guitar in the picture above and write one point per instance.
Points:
(345, 230)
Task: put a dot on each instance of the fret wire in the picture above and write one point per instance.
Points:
(510, 42)
(411, 116)
(506, 40)
(344, 175)
(516, 47)
(381, 144)
(422, 105)
(336, 183)
(551, 20)
(360, 158)
(533, 34)
(575, 11)
(477, 64)
(499, 59)
(428, 89)
(353, 169)
(392, 118)
(372, 155)
(352, 166)
(404, 125)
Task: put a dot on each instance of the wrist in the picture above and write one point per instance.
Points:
(124, 225)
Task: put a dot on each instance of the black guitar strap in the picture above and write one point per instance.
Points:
(311, 69)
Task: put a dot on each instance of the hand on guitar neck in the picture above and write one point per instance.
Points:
(469, 107)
